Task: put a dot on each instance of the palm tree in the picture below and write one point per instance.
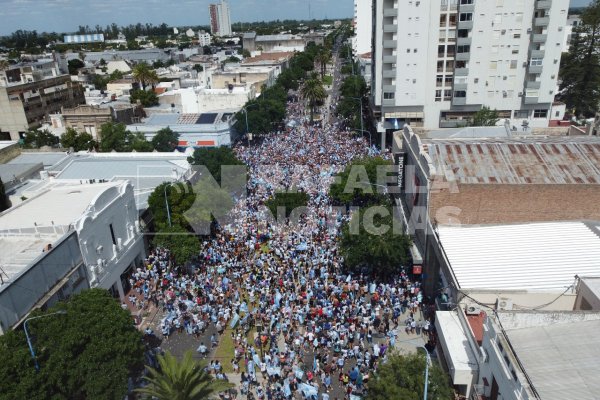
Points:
(313, 91)
(323, 57)
(185, 380)
(145, 75)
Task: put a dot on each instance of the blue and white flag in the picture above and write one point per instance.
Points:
(234, 320)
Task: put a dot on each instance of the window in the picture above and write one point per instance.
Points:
(448, 80)
(463, 2)
(463, 33)
(408, 50)
(540, 113)
(438, 95)
(493, 65)
(466, 16)
(447, 94)
(388, 95)
(536, 61)
(463, 49)
(112, 234)
(513, 64)
(517, 36)
(521, 114)
(557, 114)
(460, 93)
(438, 80)
(414, 50)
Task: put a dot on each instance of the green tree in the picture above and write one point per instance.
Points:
(231, 59)
(213, 158)
(114, 137)
(137, 141)
(402, 377)
(180, 197)
(165, 140)
(580, 67)
(290, 201)
(373, 239)
(314, 93)
(145, 75)
(36, 138)
(182, 380)
(74, 65)
(4, 203)
(322, 58)
(78, 141)
(147, 98)
(182, 244)
(485, 117)
(87, 353)
(198, 68)
(357, 183)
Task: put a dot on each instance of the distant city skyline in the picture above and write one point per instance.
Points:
(67, 15)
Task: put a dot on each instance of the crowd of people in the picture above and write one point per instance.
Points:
(299, 323)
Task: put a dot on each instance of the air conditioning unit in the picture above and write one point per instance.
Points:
(525, 64)
(504, 31)
(483, 355)
(473, 310)
(520, 94)
(504, 304)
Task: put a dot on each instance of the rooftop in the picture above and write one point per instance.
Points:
(6, 143)
(188, 119)
(277, 57)
(60, 206)
(525, 160)
(16, 252)
(561, 359)
(15, 172)
(537, 256)
(274, 38)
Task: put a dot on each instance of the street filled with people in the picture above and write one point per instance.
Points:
(299, 324)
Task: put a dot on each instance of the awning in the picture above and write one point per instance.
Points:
(462, 362)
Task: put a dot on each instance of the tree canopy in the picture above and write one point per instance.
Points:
(4, 203)
(213, 158)
(580, 67)
(87, 353)
(314, 93)
(165, 140)
(485, 117)
(357, 183)
(182, 380)
(180, 197)
(183, 245)
(116, 137)
(402, 377)
(373, 240)
(78, 141)
(147, 98)
(36, 138)
(144, 74)
(74, 65)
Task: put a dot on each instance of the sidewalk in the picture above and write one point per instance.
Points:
(407, 343)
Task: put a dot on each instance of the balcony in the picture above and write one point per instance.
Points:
(461, 71)
(541, 21)
(459, 101)
(460, 86)
(530, 100)
(390, 28)
(389, 44)
(462, 56)
(543, 4)
(388, 102)
(465, 24)
(390, 73)
(463, 41)
(389, 59)
(537, 53)
(453, 123)
(466, 8)
(539, 38)
(532, 84)
(389, 88)
(535, 69)
(390, 12)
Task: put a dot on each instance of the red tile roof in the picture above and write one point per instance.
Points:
(476, 324)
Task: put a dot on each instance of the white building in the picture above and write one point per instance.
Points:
(573, 21)
(220, 20)
(204, 38)
(441, 60)
(363, 26)
(64, 238)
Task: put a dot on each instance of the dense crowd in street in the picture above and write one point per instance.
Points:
(299, 324)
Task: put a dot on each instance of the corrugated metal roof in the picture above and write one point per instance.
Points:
(98, 168)
(562, 360)
(518, 161)
(539, 256)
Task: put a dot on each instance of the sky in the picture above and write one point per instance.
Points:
(67, 15)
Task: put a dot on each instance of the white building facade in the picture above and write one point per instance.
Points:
(438, 62)
(204, 38)
(220, 20)
(363, 27)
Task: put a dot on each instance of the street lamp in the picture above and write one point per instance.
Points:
(427, 364)
(246, 115)
(167, 201)
(362, 128)
(31, 350)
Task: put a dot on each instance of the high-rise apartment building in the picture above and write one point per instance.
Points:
(220, 21)
(437, 62)
(363, 17)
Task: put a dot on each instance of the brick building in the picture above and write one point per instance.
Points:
(483, 181)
